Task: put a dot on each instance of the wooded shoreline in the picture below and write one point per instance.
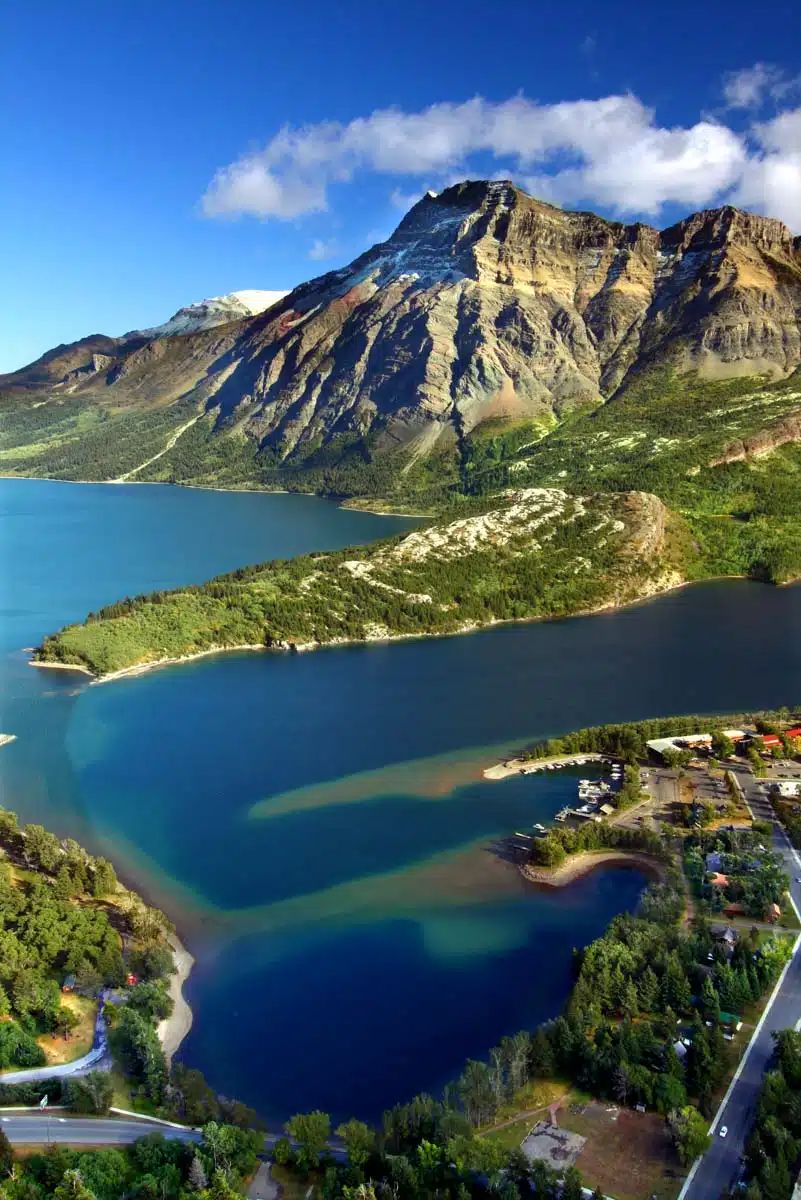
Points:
(579, 865)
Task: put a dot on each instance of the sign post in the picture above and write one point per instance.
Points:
(43, 1104)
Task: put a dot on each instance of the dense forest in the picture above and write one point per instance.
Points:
(54, 923)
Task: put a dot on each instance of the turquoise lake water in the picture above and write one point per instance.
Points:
(317, 824)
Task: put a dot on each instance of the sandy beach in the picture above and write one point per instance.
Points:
(581, 864)
(54, 666)
(173, 1031)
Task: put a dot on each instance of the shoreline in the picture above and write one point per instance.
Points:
(529, 766)
(339, 501)
(142, 668)
(58, 666)
(579, 865)
(172, 1031)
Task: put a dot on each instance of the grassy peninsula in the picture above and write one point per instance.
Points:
(535, 552)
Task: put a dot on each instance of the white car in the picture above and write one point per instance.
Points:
(724, 1129)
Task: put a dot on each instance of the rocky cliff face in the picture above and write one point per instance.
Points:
(485, 303)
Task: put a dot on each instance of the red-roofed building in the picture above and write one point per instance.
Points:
(769, 740)
(795, 732)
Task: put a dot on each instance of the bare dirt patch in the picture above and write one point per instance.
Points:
(627, 1154)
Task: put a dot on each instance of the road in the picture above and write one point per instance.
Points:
(263, 1186)
(721, 1163)
(97, 1059)
(41, 1128)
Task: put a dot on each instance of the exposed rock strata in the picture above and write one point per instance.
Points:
(485, 303)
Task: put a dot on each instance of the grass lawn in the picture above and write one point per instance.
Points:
(538, 1094)
(56, 1049)
(124, 1097)
(629, 1155)
(511, 1136)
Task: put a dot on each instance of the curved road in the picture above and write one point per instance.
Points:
(97, 1058)
(720, 1166)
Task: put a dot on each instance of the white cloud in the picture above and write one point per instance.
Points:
(609, 152)
(771, 179)
(751, 86)
(320, 250)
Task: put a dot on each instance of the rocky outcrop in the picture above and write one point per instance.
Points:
(485, 303)
(779, 433)
(97, 362)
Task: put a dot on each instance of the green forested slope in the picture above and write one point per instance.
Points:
(535, 553)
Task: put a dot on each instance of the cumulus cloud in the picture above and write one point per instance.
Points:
(320, 250)
(609, 152)
(771, 179)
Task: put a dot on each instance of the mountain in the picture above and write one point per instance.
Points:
(486, 309)
(217, 310)
(71, 362)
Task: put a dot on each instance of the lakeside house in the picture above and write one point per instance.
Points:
(719, 880)
(767, 741)
(726, 936)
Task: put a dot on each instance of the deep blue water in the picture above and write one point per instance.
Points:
(318, 824)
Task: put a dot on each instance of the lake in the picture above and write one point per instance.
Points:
(318, 825)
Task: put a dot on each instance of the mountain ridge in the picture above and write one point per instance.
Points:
(485, 305)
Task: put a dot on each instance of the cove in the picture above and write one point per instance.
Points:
(318, 824)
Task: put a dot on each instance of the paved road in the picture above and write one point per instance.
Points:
(40, 1128)
(263, 1186)
(721, 1163)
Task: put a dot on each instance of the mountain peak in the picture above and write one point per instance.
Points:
(215, 310)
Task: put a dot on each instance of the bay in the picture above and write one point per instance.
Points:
(318, 825)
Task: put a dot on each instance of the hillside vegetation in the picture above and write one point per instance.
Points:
(537, 553)
(724, 455)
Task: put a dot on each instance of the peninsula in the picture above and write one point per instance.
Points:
(536, 552)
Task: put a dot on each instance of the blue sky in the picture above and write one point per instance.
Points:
(146, 165)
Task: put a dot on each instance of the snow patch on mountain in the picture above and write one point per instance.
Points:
(215, 310)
